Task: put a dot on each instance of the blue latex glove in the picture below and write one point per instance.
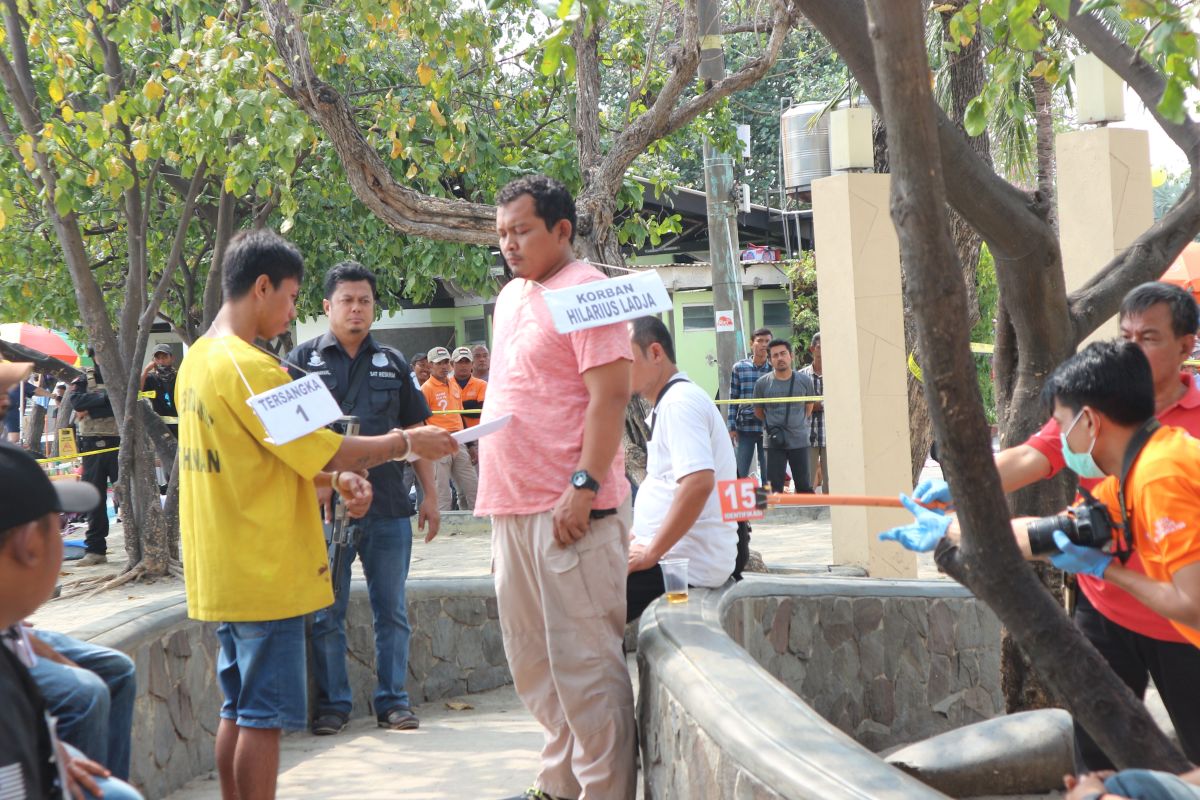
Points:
(922, 535)
(932, 490)
(1077, 558)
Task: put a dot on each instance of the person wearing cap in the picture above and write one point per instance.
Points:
(373, 383)
(444, 395)
(473, 389)
(30, 558)
(100, 436)
(158, 378)
(254, 555)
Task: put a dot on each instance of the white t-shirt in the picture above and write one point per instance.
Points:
(689, 436)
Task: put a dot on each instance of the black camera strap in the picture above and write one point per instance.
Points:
(1136, 445)
(661, 393)
(358, 375)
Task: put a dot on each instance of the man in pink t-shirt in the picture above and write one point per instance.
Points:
(553, 482)
(1137, 642)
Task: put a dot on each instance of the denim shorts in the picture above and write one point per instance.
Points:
(262, 672)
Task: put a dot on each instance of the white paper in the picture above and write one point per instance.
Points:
(724, 321)
(481, 430)
(295, 409)
(590, 305)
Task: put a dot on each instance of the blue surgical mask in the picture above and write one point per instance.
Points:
(1082, 464)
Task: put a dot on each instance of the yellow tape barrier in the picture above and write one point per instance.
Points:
(80, 455)
(766, 400)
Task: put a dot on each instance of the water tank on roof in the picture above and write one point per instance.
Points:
(804, 146)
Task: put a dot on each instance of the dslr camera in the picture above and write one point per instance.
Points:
(1088, 524)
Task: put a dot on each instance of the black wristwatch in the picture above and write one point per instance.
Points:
(582, 480)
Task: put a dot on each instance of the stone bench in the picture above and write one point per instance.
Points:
(785, 687)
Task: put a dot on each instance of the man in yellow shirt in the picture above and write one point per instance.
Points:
(443, 394)
(253, 551)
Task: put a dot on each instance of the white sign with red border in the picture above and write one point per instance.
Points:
(724, 321)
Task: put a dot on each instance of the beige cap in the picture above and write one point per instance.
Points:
(439, 354)
(461, 353)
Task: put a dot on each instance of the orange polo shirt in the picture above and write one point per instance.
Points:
(472, 398)
(1164, 495)
(444, 397)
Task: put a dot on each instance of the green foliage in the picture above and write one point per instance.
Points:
(988, 294)
(802, 275)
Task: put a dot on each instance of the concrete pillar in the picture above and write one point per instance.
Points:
(1105, 201)
(862, 343)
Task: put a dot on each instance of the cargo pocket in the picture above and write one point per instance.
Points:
(587, 578)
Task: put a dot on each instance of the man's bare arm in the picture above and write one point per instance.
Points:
(690, 497)
(1020, 466)
(363, 452)
(604, 420)
(1177, 599)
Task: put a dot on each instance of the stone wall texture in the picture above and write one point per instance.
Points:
(884, 670)
(455, 649)
(832, 671)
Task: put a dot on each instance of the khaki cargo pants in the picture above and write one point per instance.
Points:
(562, 611)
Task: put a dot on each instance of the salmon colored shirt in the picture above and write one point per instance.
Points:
(1163, 492)
(444, 397)
(537, 376)
(1114, 603)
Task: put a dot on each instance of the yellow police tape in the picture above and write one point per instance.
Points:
(78, 455)
(816, 398)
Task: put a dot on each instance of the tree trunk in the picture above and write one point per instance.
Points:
(987, 559)
(1043, 116)
(35, 426)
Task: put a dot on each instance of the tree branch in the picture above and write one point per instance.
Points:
(402, 208)
(1141, 76)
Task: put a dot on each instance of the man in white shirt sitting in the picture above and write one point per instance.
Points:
(677, 513)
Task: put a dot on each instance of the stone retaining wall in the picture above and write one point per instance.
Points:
(886, 669)
(455, 649)
(715, 722)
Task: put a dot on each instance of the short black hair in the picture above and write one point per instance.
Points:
(259, 252)
(419, 357)
(648, 330)
(1112, 377)
(761, 332)
(1184, 316)
(551, 199)
(348, 272)
(771, 345)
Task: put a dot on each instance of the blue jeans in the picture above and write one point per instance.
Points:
(93, 703)
(385, 546)
(746, 443)
(1144, 784)
(112, 788)
(261, 671)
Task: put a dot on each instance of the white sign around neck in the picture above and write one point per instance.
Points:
(295, 409)
(597, 303)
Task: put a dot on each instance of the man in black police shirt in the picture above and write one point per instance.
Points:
(374, 383)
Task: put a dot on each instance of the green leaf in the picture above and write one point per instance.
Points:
(1060, 8)
(1171, 105)
(975, 117)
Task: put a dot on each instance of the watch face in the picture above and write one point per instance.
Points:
(579, 479)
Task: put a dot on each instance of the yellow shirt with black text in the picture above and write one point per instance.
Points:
(251, 538)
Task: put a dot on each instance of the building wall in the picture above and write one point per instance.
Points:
(696, 349)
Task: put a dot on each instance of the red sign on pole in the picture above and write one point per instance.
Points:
(737, 500)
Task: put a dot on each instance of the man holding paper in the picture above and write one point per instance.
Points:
(373, 383)
(553, 481)
(254, 555)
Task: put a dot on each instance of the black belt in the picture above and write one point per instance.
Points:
(601, 513)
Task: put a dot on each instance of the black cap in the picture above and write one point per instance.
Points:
(163, 348)
(27, 494)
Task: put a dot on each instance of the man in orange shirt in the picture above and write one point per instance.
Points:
(444, 394)
(473, 389)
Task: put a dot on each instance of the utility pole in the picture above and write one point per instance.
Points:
(722, 224)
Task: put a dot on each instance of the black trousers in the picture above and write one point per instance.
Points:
(641, 589)
(98, 470)
(1175, 667)
(777, 464)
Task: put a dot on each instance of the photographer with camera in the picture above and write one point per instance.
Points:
(1135, 641)
(1148, 502)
